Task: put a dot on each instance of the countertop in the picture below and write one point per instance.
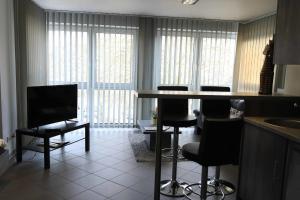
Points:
(208, 95)
(288, 133)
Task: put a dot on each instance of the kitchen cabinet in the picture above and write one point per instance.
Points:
(287, 38)
(262, 164)
(292, 175)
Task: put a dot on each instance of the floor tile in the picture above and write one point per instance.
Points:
(128, 194)
(92, 167)
(125, 166)
(78, 161)
(90, 181)
(68, 190)
(109, 173)
(108, 160)
(108, 189)
(61, 167)
(88, 195)
(126, 180)
(93, 156)
(145, 186)
(63, 157)
(53, 181)
(73, 174)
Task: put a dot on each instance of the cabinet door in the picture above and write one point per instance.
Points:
(262, 165)
(292, 176)
(287, 39)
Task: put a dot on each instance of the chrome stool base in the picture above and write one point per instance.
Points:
(215, 187)
(189, 193)
(174, 188)
(225, 187)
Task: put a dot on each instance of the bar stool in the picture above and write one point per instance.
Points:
(212, 107)
(219, 145)
(175, 114)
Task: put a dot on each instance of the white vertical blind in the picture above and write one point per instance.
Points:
(252, 39)
(195, 52)
(98, 52)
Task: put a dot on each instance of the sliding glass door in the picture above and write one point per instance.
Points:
(194, 53)
(99, 54)
(114, 77)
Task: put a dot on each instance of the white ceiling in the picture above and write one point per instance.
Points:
(240, 10)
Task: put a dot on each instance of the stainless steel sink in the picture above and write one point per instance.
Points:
(289, 123)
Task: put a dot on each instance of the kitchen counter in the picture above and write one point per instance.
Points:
(288, 133)
(210, 95)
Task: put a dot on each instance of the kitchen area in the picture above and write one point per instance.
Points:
(270, 155)
(269, 166)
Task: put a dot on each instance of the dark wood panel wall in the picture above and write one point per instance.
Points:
(272, 108)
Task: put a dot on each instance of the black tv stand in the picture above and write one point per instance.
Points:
(47, 132)
(71, 120)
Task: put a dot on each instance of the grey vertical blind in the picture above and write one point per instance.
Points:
(30, 39)
(252, 40)
(99, 53)
(195, 52)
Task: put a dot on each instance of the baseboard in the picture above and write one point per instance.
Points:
(4, 162)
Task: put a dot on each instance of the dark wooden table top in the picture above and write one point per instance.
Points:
(52, 130)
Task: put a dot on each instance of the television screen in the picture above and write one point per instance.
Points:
(50, 104)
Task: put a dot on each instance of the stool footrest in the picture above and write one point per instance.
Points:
(173, 188)
(215, 187)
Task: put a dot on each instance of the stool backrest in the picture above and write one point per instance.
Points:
(220, 141)
(219, 108)
(174, 106)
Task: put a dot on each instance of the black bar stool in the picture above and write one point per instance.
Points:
(175, 114)
(219, 145)
(212, 107)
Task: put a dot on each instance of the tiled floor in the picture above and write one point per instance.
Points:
(108, 171)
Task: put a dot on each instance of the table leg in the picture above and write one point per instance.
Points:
(87, 137)
(158, 152)
(19, 147)
(46, 153)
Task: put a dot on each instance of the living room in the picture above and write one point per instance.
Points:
(92, 96)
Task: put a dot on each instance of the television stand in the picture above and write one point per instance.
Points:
(71, 120)
(47, 132)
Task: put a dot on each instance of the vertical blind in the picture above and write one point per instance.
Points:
(253, 37)
(30, 37)
(99, 53)
(195, 52)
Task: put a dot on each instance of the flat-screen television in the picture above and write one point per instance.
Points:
(50, 104)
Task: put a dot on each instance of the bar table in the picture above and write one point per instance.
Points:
(162, 94)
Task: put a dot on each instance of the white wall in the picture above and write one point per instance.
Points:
(292, 80)
(7, 73)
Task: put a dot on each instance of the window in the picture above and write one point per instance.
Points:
(195, 59)
(114, 78)
(101, 59)
(194, 53)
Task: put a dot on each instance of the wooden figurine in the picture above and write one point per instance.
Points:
(267, 72)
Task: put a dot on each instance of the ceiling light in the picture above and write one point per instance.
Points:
(189, 2)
